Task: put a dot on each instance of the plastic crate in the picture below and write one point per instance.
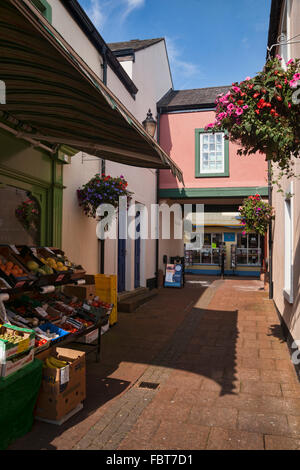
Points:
(54, 329)
(106, 290)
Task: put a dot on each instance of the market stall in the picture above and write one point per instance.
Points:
(38, 323)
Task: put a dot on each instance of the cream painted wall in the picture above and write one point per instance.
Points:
(290, 312)
(79, 239)
(68, 28)
(150, 73)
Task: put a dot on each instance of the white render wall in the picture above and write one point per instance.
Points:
(150, 73)
(290, 312)
(68, 28)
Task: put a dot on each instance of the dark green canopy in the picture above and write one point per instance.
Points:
(51, 90)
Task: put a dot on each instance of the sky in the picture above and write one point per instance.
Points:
(209, 43)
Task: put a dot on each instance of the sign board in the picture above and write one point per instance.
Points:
(173, 276)
(229, 237)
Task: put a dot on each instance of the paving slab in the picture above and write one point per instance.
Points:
(221, 371)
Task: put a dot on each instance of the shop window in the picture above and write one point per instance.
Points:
(248, 249)
(44, 8)
(19, 217)
(209, 254)
(212, 154)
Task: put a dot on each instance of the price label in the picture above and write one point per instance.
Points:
(64, 375)
(20, 284)
(13, 247)
(23, 345)
(86, 307)
(50, 251)
(41, 312)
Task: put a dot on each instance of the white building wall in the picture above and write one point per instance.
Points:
(68, 28)
(288, 305)
(150, 73)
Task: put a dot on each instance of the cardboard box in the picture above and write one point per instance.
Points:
(12, 365)
(62, 390)
(8, 349)
(89, 337)
(82, 292)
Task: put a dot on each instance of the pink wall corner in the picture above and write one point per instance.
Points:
(177, 138)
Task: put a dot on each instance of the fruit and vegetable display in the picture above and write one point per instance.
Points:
(35, 266)
(11, 336)
(55, 315)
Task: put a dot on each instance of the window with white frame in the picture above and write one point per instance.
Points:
(248, 251)
(211, 154)
(288, 247)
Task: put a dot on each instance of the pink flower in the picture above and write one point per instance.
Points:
(293, 83)
(296, 76)
(236, 89)
(278, 57)
(245, 106)
(290, 62)
(244, 233)
(230, 107)
(239, 111)
(248, 78)
(209, 126)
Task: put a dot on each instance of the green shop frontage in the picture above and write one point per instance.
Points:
(35, 176)
(54, 107)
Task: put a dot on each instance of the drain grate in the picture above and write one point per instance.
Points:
(151, 385)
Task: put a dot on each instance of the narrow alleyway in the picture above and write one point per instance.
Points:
(220, 371)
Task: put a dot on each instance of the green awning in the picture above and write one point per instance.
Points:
(52, 90)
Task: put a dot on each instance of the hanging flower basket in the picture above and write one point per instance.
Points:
(101, 190)
(28, 213)
(262, 113)
(256, 215)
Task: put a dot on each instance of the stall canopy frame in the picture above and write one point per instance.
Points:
(60, 100)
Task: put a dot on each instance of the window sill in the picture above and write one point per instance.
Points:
(212, 175)
(288, 296)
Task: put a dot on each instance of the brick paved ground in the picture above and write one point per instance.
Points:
(224, 373)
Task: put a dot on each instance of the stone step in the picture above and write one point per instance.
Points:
(131, 303)
(126, 294)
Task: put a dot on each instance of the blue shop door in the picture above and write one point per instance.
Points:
(121, 264)
(137, 253)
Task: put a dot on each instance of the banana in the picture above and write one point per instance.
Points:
(57, 363)
(49, 364)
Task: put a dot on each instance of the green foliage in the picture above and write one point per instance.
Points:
(256, 215)
(262, 115)
(101, 190)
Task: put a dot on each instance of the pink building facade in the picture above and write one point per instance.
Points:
(214, 175)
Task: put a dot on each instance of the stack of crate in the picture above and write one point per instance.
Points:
(106, 290)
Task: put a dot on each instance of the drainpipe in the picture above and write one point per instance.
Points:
(103, 169)
(270, 234)
(157, 200)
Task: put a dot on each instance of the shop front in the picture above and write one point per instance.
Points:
(242, 253)
(225, 247)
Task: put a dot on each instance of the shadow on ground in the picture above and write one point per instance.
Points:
(175, 331)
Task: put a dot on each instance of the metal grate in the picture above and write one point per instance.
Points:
(151, 385)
